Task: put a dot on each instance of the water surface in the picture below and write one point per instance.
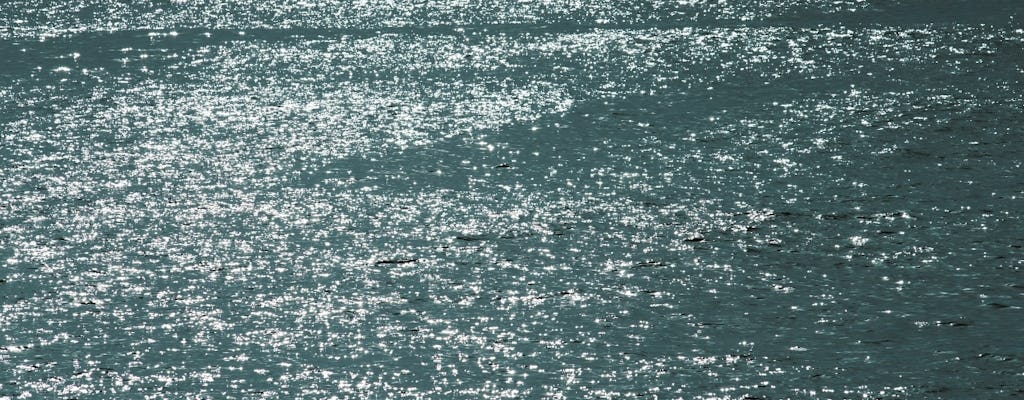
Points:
(698, 200)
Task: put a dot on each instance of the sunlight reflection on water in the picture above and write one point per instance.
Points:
(686, 200)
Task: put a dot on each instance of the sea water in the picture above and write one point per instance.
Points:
(611, 199)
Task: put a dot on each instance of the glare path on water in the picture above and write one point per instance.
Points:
(236, 200)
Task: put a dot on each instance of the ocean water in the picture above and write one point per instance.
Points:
(723, 199)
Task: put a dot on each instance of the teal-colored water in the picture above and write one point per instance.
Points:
(695, 200)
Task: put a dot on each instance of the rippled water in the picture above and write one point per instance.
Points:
(610, 199)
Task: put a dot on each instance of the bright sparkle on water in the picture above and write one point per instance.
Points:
(696, 199)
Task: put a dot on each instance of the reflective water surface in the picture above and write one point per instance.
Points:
(611, 199)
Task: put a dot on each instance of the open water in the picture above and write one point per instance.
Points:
(729, 199)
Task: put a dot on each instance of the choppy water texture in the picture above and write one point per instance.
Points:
(695, 199)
